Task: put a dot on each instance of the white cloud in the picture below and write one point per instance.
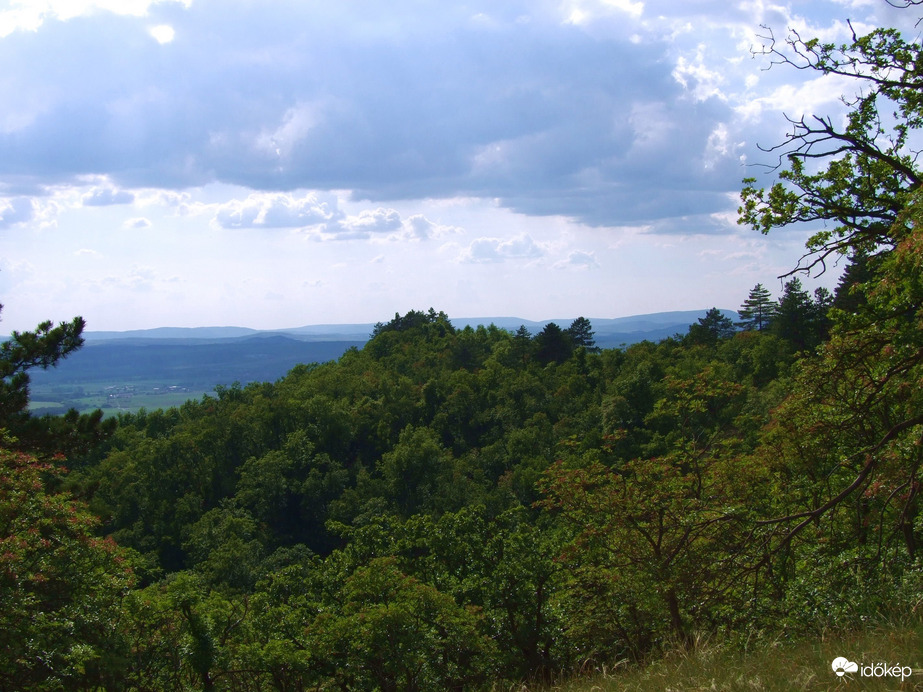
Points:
(697, 78)
(163, 33)
(818, 95)
(275, 210)
(17, 210)
(105, 196)
(719, 146)
(365, 224)
(418, 227)
(29, 15)
(585, 11)
(134, 278)
(578, 259)
(138, 223)
(521, 246)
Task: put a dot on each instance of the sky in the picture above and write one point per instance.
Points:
(274, 164)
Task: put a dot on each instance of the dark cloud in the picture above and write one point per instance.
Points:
(389, 101)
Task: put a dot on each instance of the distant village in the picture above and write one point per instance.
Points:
(117, 395)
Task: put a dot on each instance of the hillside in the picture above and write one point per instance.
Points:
(476, 508)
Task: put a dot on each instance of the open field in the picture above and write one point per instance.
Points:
(112, 397)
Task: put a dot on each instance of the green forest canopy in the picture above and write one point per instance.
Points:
(449, 508)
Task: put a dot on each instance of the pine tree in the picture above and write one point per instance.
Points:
(554, 344)
(711, 328)
(581, 331)
(44, 348)
(757, 310)
(795, 319)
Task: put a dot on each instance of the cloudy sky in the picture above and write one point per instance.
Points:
(279, 163)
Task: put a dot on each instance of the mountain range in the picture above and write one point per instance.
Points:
(610, 332)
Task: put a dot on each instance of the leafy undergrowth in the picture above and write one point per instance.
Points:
(803, 665)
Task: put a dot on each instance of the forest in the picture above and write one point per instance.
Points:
(462, 509)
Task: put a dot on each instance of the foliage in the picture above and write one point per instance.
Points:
(709, 329)
(757, 310)
(798, 319)
(858, 176)
(43, 348)
(394, 633)
(581, 332)
(659, 537)
(60, 586)
(844, 446)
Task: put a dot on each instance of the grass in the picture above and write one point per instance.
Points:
(803, 665)
(46, 398)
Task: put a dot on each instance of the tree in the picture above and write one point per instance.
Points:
(43, 348)
(794, 316)
(845, 445)
(389, 631)
(660, 539)
(554, 344)
(858, 176)
(849, 295)
(757, 310)
(709, 329)
(414, 470)
(522, 343)
(60, 586)
(581, 332)
(414, 318)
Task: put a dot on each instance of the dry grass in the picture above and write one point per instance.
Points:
(772, 666)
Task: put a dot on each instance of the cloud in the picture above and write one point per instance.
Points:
(275, 210)
(498, 250)
(23, 15)
(373, 221)
(163, 33)
(603, 111)
(137, 277)
(105, 196)
(418, 227)
(697, 78)
(578, 259)
(18, 210)
(139, 223)
(382, 223)
(397, 112)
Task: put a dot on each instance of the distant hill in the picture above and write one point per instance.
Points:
(116, 366)
(317, 332)
(610, 332)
